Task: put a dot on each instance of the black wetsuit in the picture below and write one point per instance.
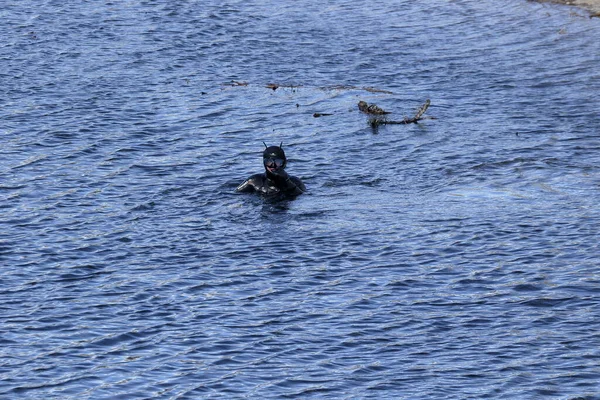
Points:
(275, 180)
(263, 184)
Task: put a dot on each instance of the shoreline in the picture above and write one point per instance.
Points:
(593, 6)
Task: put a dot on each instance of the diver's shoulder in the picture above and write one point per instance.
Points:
(257, 178)
(254, 182)
(298, 182)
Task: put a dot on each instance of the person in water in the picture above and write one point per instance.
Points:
(275, 180)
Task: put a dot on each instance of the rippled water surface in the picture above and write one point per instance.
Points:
(456, 258)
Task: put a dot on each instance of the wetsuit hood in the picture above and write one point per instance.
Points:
(274, 152)
(274, 159)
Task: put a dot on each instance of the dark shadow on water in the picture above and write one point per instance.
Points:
(275, 206)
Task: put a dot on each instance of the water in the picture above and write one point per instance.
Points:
(452, 259)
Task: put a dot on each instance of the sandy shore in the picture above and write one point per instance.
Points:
(592, 5)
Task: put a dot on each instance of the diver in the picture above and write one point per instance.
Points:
(275, 180)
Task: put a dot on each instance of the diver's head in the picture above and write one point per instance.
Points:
(274, 159)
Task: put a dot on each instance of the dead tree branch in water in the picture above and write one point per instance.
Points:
(376, 120)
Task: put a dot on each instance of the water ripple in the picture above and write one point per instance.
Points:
(454, 258)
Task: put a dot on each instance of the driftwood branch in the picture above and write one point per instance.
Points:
(375, 120)
(371, 108)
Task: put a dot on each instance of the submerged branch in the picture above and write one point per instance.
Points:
(377, 120)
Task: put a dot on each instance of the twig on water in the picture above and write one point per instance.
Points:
(377, 120)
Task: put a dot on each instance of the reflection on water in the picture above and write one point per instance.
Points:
(454, 258)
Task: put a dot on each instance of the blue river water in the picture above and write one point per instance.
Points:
(456, 258)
